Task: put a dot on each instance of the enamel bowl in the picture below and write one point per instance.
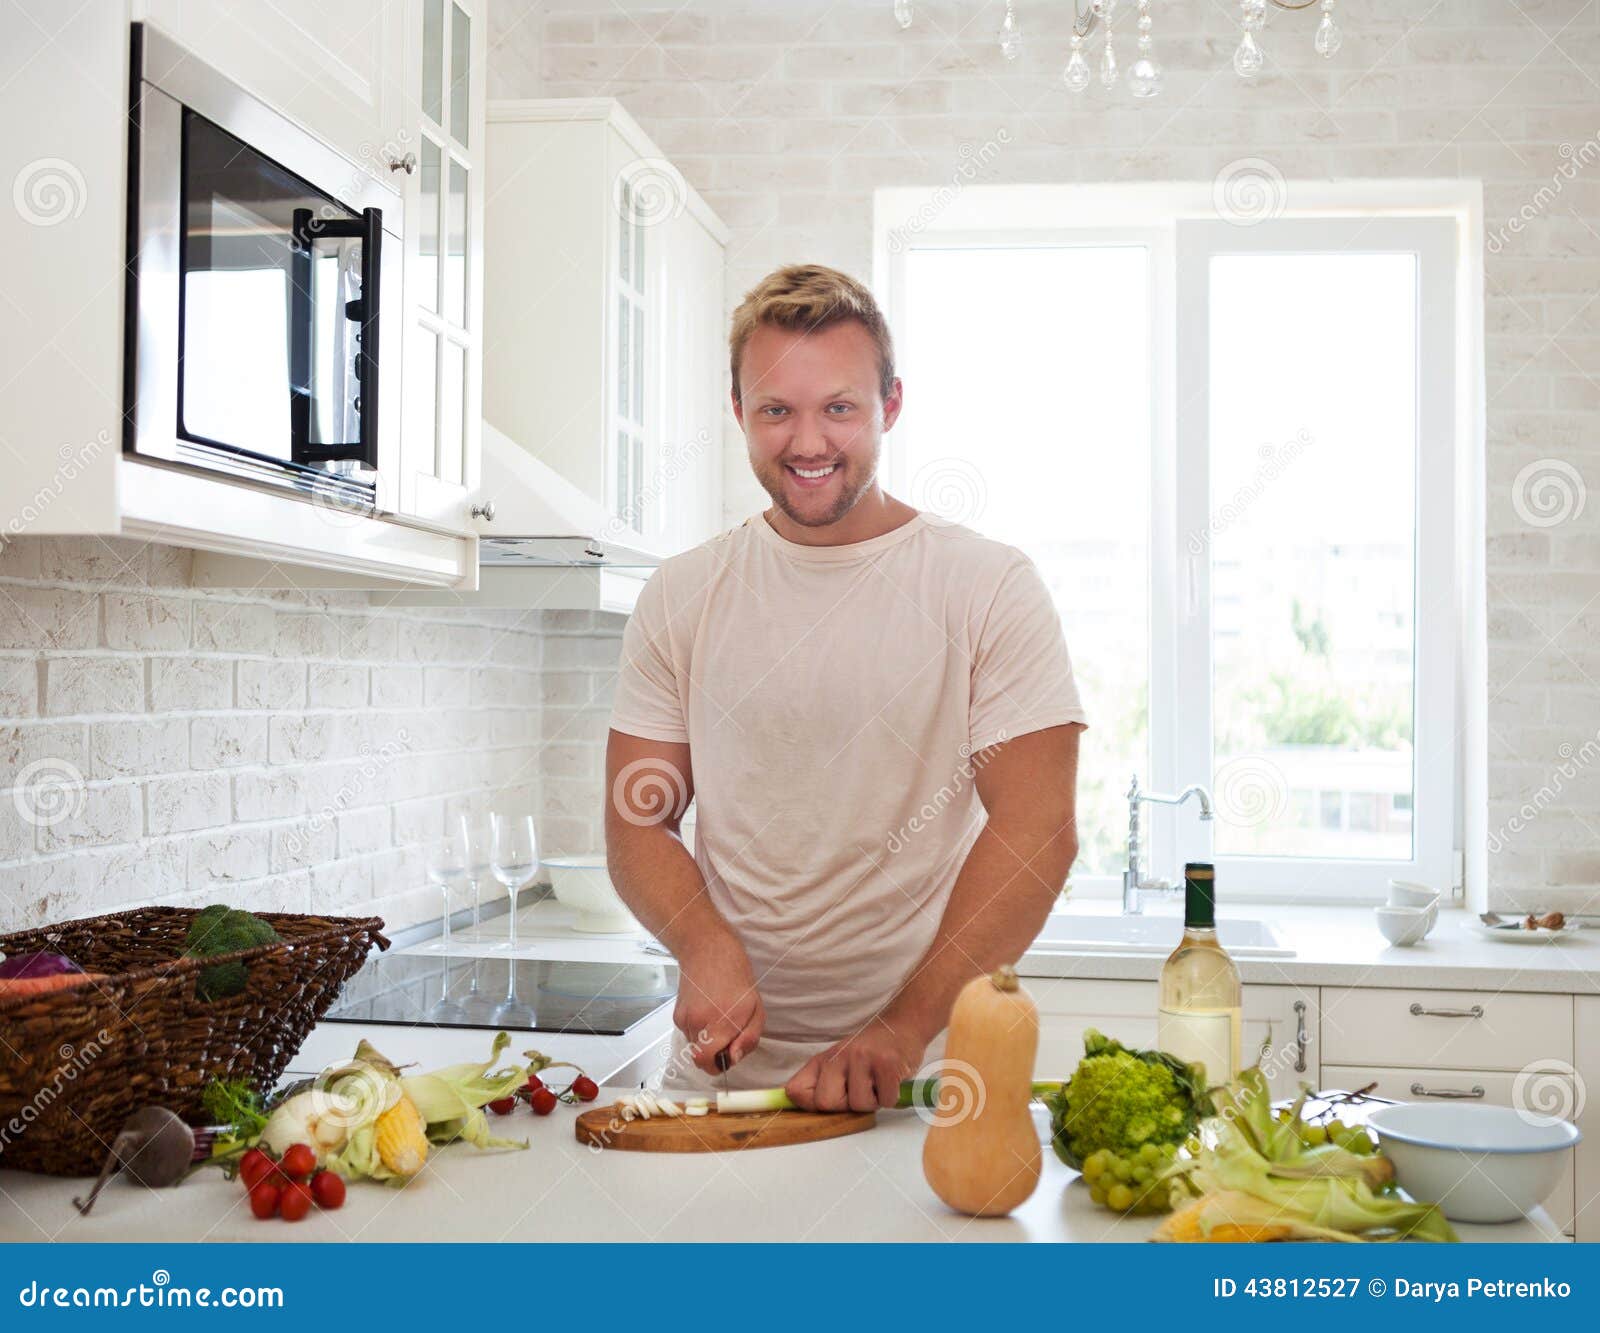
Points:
(1403, 926)
(1478, 1163)
(583, 884)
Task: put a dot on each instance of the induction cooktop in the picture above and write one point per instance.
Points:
(418, 990)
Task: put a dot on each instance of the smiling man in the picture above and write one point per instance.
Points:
(875, 714)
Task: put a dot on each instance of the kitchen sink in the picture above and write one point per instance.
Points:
(1071, 932)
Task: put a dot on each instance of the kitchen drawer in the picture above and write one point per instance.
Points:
(1440, 1029)
(1586, 1019)
(1415, 1085)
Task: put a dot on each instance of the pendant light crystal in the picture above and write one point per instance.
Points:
(1144, 79)
(1329, 36)
(903, 13)
(1248, 59)
(1010, 33)
(1108, 56)
(1077, 74)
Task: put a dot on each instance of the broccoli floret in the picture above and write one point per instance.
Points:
(1121, 1099)
(219, 929)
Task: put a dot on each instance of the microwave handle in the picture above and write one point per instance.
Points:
(369, 227)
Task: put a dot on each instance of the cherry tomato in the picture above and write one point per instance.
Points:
(503, 1105)
(543, 1100)
(584, 1088)
(264, 1199)
(327, 1188)
(533, 1084)
(254, 1167)
(298, 1161)
(295, 1202)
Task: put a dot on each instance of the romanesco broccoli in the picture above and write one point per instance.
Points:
(1121, 1099)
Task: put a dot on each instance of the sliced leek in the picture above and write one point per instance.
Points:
(913, 1092)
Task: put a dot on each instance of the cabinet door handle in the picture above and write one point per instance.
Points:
(1458, 1094)
(1300, 1036)
(407, 164)
(1475, 1012)
(485, 511)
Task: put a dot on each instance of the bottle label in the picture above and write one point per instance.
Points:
(1205, 1037)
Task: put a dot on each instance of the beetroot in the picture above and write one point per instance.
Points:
(30, 966)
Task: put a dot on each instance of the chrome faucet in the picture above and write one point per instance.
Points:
(1132, 885)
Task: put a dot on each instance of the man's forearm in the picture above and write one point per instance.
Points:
(1004, 892)
(661, 884)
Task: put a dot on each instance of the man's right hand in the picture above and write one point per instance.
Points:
(718, 1006)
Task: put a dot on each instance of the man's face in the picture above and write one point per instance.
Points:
(813, 418)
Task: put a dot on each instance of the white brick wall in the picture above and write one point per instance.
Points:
(785, 116)
(276, 750)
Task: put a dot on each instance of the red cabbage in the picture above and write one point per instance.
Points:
(23, 966)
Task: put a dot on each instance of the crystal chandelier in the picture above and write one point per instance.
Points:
(1145, 75)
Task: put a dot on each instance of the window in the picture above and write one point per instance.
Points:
(1229, 449)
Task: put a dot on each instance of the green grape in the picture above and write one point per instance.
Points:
(1142, 1175)
(1093, 1167)
(1150, 1152)
(1098, 1195)
(1120, 1197)
(1122, 1169)
(1313, 1135)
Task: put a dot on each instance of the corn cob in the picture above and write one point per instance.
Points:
(402, 1139)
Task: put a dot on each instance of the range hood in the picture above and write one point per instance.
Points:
(542, 520)
(548, 546)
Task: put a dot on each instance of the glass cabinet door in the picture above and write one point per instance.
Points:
(444, 204)
(631, 489)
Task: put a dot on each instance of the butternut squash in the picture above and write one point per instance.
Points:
(982, 1155)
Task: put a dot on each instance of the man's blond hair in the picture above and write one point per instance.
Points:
(807, 298)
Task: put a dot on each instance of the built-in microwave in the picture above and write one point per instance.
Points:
(263, 282)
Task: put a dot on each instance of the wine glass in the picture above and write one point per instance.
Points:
(480, 842)
(447, 864)
(513, 859)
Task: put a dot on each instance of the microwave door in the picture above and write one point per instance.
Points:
(334, 341)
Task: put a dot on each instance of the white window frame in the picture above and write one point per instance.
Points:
(1180, 229)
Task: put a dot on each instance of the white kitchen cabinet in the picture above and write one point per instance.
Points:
(1586, 1158)
(335, 68)
(1282, 1038)
(445, 61)
(603, 338)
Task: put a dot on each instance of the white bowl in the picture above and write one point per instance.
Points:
(583, 884)
(1478, 1163)
(1408, 893)
(1402, 926)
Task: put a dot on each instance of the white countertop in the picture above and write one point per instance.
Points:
(1341, 946)
(864, 1187)
(1333, 946)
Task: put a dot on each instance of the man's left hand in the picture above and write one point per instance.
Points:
(861, 1073)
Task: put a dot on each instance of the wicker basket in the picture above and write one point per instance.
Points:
(75, 1063)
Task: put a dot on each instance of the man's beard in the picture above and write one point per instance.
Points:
(856, 480)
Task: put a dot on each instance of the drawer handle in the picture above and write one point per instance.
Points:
(1300, 1036)
(1458, 1094)
(1475, 1012)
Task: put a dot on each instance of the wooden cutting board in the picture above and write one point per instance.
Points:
(604, 1127)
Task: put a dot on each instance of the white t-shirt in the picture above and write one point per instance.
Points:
(836, 700)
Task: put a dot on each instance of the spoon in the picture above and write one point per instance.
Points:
(153, 1146)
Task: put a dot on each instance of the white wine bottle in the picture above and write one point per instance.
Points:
(1201, 1001)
